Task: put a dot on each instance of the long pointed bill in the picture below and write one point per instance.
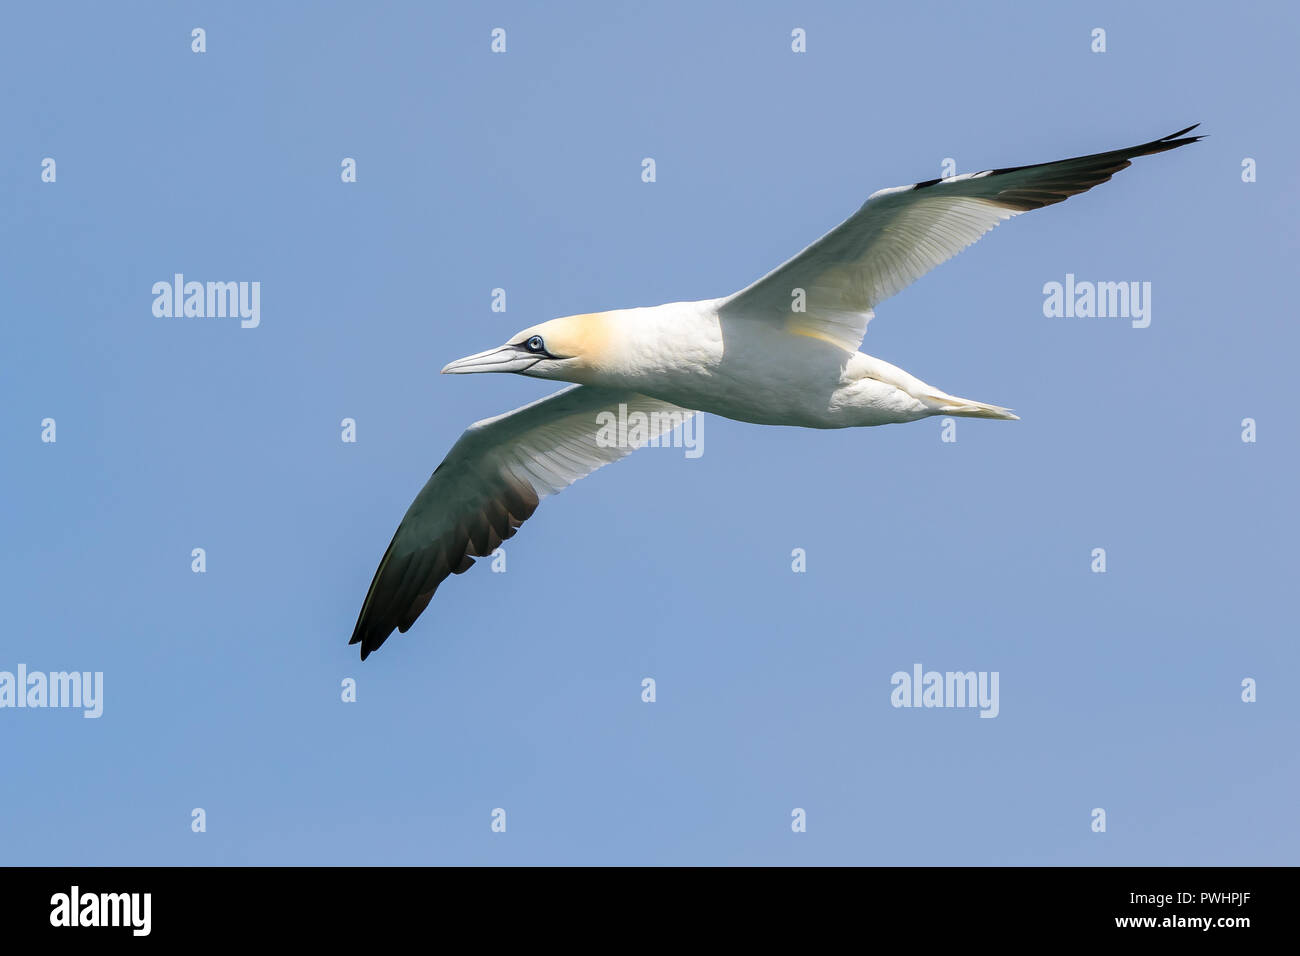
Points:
(507, 358)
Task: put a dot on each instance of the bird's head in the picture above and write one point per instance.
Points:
(564, 349)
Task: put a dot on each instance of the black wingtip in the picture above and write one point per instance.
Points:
(1174, 140)
(370, 641)
(362, 634)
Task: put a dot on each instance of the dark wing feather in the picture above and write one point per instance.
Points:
(490, 483)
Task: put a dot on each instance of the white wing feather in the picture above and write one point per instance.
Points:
(902, 233)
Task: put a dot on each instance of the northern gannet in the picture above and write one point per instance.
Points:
(752, 356)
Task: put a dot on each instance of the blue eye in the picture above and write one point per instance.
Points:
(535, 344)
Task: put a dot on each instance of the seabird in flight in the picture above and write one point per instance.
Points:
(752, 356)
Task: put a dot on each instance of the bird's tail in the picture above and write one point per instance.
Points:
(944, 404)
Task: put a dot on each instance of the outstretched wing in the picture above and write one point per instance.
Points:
(900, 234)
(490, 483)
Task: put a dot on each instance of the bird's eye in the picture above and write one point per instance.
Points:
(535, 344)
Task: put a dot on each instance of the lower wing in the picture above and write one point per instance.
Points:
(489, 484)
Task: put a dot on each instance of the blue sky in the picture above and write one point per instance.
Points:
(522, 690)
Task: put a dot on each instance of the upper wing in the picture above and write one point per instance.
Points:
(490, 483)
(902, 233)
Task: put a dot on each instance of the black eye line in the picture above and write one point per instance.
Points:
(540, 352)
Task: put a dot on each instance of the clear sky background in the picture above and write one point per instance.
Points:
(523, 690)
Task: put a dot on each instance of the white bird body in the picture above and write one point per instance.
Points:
(686, 354)
(782, 351)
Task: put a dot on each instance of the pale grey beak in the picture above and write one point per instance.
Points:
(507, 358)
